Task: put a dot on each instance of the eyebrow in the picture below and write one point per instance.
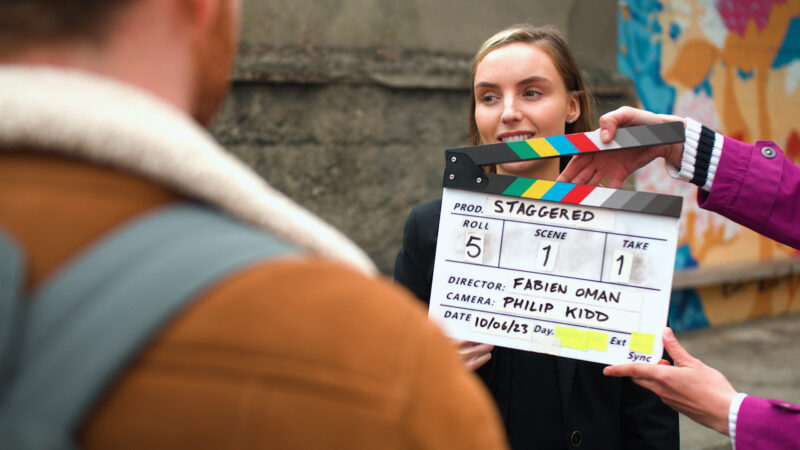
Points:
(531, 79)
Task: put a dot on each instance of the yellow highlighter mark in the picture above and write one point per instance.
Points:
(597, 340)
(642, 342)
(572, 338)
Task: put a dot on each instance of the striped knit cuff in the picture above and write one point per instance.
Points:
(733, 414)
(701, 153)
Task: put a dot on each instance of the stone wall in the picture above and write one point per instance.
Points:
(347, 105)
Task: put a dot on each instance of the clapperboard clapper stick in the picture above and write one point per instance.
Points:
(463, 169)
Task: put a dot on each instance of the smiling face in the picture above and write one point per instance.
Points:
(520, 95)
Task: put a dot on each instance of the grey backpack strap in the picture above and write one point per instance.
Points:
(12, 273)
(89, 321)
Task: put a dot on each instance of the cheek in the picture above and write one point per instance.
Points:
(549, 117)
(486, 121)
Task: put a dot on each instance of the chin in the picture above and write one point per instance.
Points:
(543, 169)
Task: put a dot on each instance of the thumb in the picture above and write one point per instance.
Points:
(676, 351)
(610, 121)
(608, 129)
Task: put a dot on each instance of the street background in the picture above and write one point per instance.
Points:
(347, 106)
(760, 357)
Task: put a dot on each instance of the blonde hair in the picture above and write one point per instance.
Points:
(549, 40)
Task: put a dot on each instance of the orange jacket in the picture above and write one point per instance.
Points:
(299, 352)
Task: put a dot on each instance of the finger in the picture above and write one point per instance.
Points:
(623, 117)
(586, 171)
(566, 175)
(638, 370)
(675, 350)
(608, 126)
(475, 350)
(463, 345)
(621, 370)
(670, 118)
(459, 344)
(478, 361)
(615, 182)
(609, 122)
(651, 385)
(481, 349)
(575, 167)
(596, 179)
(584, 176)
(607, 133)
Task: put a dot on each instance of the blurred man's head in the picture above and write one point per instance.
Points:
(29, 23)
(179, 50)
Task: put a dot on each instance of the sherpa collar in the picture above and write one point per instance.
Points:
(104, 121)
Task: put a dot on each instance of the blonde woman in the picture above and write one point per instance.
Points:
(526, 84)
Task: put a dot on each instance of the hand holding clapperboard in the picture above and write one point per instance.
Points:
(576, 271)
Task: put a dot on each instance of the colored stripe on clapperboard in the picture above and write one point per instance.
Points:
(620, 199)
(570, 144)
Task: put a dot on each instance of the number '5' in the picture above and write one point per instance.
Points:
(471, 243)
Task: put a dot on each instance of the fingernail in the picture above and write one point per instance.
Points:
(604, 134)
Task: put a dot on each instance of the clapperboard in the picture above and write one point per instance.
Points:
(577, 271)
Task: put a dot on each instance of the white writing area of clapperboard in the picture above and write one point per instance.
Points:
(587, 276)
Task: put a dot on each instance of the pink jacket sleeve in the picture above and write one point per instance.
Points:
(759, 188)
(767, 424)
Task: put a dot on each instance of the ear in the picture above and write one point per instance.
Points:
(573, 107)
(199, 12)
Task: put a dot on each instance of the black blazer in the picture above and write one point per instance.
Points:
(555, 402)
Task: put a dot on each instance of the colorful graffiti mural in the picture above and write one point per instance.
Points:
(734, 66)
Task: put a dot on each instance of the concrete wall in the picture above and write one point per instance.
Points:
(347, 105)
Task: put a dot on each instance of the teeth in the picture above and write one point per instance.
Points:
(517, 138)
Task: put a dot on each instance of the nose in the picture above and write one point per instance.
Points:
(511, 111)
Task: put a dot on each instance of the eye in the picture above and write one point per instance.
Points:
(488, 99)
(532, 93)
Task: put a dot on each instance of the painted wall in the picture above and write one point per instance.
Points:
(735, 67)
